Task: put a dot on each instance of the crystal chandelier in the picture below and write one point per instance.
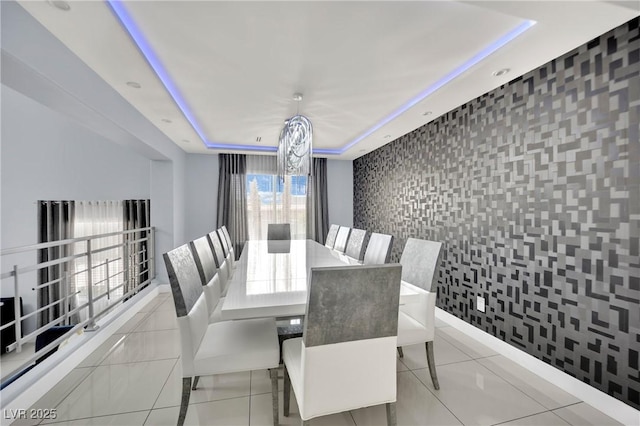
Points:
(295, 146)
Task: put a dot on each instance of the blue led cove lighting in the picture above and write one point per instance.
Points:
(134, 32)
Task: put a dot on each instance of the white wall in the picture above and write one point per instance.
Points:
(47, 156)
(340, 192)
(201, 195)
(38, 66)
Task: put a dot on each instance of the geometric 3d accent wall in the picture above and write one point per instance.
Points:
(534, 189)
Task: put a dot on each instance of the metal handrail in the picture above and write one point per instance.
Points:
(136, 262)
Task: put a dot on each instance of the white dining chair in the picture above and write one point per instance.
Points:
(341, 239)
(226, 249)
(378, 250)
(331, 236)
(279, 231)
(356, 244)
(218, 348)
(205, 262)
(224, 272)
(420, 262)
(227, 237)
(332, 368)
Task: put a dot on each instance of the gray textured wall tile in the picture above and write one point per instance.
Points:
(533, 188)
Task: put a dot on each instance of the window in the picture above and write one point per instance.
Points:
(94, 218)
(271, 200)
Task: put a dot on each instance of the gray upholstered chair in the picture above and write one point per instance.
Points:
(221, 347)
(279, 231)
(378, 250)
(224, 273)
(335, 369)
(416, 322)
(341, 239)
(355, 245)
(331, 236)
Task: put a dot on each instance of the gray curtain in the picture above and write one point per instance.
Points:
(232, 198)
(317, 204)
(55, 222)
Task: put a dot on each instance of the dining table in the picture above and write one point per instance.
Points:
(271, 278)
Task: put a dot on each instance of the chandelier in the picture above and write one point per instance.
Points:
(295, 146)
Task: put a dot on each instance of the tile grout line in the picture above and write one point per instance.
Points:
(530, 415)
(95, 417)
(497, 373)
(436, 396)
(92, 370)
(153, 406)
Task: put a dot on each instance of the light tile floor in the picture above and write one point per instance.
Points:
(134, 378)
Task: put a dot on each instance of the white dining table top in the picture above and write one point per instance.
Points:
(270, 279)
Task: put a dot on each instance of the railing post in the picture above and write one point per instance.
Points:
(125, 267)
(16, 307)
(64, 283)
(106, 268)
(151, 253)
(91, 325)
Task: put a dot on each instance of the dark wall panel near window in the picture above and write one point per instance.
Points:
(534, 189)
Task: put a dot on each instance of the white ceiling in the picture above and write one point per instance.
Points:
(236, 65)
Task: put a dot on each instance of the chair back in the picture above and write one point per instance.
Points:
(203, 256)
(223, 242)
(341, 239)
(190, 303)
(227, 249)
(355, 245)
(378, 250)
(331, 236)
(227, 237)
(351, 352)
(279, 231)
(205, 262)
(219, 256)
(225, 232)
(420, 261)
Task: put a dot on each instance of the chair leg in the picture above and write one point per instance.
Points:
(274, 395)
(400, 353)
(391, 414)
(184, 403)
(195, 382)
(432, 365)
(287, 392)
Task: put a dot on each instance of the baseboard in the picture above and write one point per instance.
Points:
(28, 389)
(612, 407)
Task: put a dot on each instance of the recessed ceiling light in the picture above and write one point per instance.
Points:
(59, 4)
(133, 84)
(362, 150)
(259, 139)
(503, 71)
(166, 120)
(387, 136)
(427, 113)
(186, 141)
